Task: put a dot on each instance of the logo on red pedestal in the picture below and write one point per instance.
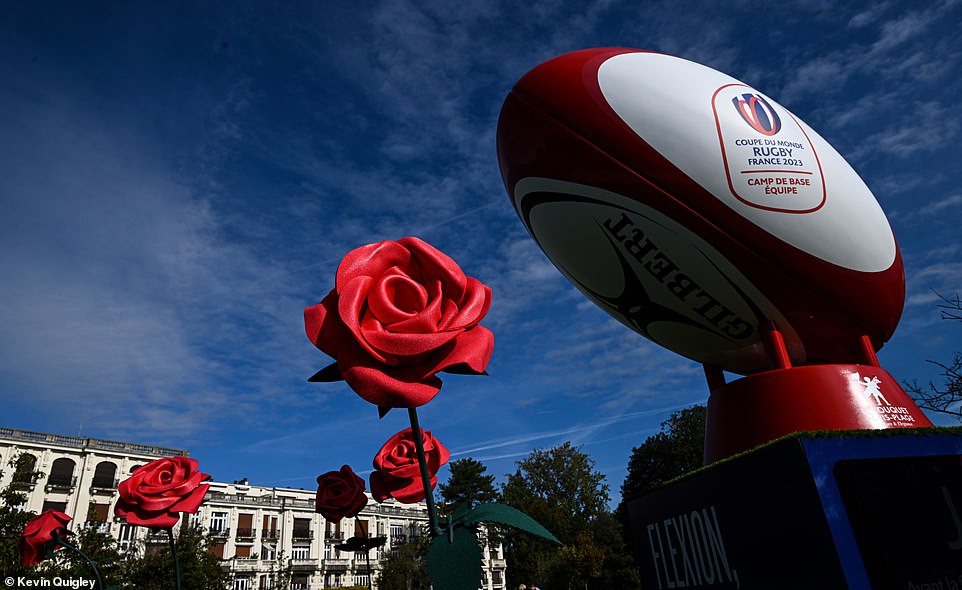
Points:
(895, 415)
(871, 388)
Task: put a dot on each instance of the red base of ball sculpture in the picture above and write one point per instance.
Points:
(762, 407)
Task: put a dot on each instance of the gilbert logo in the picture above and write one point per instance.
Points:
(760, 115)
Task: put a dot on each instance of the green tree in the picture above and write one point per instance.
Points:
(13, 518)
(618, 568)
(944, 398)
(199, 569)
(102, 549)
(405, 568)
(468, 485)
(676, 450)
(562, 490)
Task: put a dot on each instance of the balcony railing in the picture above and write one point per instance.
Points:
(62, 482)
(334, 536)
(302, 535)
(246, 533)
(271, 535)
(273, 501)
(219, 533)
(104, 484)
(337, 565)
(304, 565)
(27, 479)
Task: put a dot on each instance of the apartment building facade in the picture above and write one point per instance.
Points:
(262, 534)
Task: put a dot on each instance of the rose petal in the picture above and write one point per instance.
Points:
(350, 307)
(396, 297)
(378, 489)
(400, 344)
(473, 348)
(137, 515)
(472, 307)
(324, 327)
(427, 319)
(371, 261)
(435, 264)
(192, 502)
(386, 386)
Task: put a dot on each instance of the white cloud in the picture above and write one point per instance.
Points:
(939, 207)
(122, 295)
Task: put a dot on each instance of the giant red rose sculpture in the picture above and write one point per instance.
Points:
(340, 494)
(157, 492)
(396, 472)
(399, 313)
(39, 534)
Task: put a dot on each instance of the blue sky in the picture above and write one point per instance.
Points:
(179, 180)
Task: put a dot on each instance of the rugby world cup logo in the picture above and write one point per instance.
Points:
(756, 111)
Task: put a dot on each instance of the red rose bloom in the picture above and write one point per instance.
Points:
(399, 313)
(38, 533)
(340, 494)
(396, 472)
(156, 492)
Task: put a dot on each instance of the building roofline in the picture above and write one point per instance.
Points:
(89, 443)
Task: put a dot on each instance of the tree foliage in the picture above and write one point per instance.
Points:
(558, 487)
(102, 549)
(199, 569)
(676, 450)
(562, 490)
(405, 568)
(468, 485)
(946, 397)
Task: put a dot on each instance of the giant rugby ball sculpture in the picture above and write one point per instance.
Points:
(699, 212)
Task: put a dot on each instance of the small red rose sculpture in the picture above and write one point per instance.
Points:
(340, 494)
(399, 313)
(156, 492)
(396, 472)
(39, 532)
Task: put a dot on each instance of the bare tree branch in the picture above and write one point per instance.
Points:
(945, 398)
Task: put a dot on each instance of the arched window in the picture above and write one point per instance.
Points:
(61, 472)
(26, 466)
(105, 476)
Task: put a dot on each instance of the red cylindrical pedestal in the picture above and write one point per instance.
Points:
(764, 406)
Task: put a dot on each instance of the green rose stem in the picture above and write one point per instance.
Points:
(425, 476)
(173, 550)
(58, 540)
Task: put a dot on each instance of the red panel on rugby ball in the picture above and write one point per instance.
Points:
(693, 208)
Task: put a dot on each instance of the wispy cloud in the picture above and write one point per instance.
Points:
(940, 206)
(581, 433)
